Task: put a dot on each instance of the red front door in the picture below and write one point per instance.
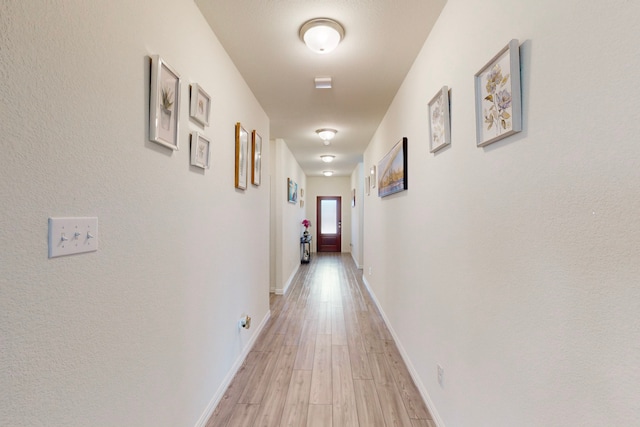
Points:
(329, 219)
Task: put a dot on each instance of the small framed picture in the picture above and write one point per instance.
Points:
(242, 145)
(367, 185)
(200, 105)
(200, 150)
(164, 104)
(256, 158)
(372, 174)
(292, 191)
(353, 198)
(439, 122)
(498, 105)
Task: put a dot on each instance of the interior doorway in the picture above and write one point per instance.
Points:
(329, 219)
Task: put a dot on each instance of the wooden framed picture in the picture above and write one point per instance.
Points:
(200, 150)
(439, 121)
(256, 158)
(164, 103)
(498, 103)
(200, 106)
(392, 170)
(242, 145)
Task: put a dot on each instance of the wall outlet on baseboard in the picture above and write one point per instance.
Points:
(441, 376)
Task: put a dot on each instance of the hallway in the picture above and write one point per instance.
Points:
(324, 359)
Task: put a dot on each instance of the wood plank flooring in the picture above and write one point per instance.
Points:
(325, 359)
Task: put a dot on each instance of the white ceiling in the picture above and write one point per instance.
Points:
(382, 39)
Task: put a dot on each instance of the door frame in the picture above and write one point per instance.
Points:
(338, 236)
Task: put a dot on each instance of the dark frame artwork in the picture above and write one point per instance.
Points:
(392, 170)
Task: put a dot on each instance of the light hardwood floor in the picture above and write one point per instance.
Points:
(325, 359)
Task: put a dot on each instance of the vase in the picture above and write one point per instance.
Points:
(165, 118)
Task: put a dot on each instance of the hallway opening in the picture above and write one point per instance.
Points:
(325, 358)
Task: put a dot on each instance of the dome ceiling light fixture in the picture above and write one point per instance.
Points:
(326, 135)
(327, 158)
(323, 82)
(321, 35)
(327, 173)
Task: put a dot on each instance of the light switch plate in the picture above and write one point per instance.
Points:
(68, 236)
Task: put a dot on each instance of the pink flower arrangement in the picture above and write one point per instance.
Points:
(306, 223)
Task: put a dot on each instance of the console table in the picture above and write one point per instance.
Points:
(305, 249)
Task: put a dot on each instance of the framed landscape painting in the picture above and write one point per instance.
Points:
(498, 104)
(392, 170)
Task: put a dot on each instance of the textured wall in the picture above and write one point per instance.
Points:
(288, 216)
(144, 331)
(357, 214)
(517, 265)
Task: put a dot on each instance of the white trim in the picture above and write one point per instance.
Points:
(282, 291)
(405, 357)
(232, 373)
(356, 262)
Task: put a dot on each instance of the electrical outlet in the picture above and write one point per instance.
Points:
(370, 270)
(441, 376)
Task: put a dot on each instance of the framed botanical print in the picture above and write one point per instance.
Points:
(498, 102)
(439, 122)
(200, 150)
(256, 158)
(242, 145)
(200, 106)
(164, 103)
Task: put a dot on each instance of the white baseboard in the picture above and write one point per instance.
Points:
(232, 373)
(356, 262)
(283, 290)
(412, 371)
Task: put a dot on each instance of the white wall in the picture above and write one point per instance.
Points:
(144, 331)
(288, 217)
(330, 186)
(357, 215)
(517, 265)
(273, 219)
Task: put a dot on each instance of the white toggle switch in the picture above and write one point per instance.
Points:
(84, 231)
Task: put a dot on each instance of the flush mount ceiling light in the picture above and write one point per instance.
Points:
(321, 35)
(327, 158)
(327, 173)
(322, 82)
(326, 134)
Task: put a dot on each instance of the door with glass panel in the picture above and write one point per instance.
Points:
(329, 220)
